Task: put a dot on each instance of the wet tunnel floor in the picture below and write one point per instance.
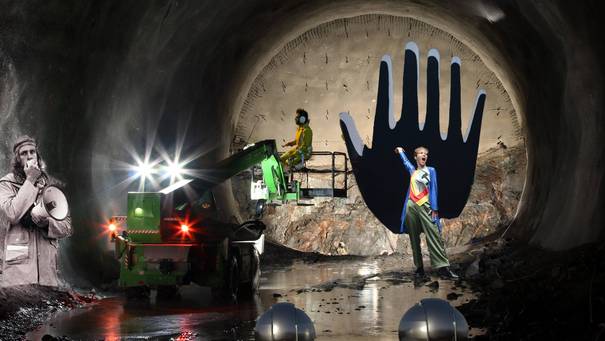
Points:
(360, 298)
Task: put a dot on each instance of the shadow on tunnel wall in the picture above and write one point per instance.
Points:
(377, 170)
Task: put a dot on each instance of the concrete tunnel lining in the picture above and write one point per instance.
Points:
(332, 68)
(485, 43)
(301, 35)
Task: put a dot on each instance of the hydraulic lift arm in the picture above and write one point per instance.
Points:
(275, 185)
(263, 153)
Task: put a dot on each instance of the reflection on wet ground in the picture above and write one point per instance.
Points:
(360, 299)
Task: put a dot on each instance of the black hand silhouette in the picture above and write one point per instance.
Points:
(382, 179)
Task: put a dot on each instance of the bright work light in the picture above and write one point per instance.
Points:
(174, 170)
(143, 170)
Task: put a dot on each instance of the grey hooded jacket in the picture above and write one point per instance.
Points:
(27, 255)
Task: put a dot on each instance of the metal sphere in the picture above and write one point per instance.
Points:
(433, 319)
(283, 321)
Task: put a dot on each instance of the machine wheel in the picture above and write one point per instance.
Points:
(250, 288)
(137, 293)
(167, 292)
(232, 280)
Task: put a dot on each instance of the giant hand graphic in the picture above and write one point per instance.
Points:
(382, 179)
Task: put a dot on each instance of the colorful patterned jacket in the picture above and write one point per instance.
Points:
(432, 192)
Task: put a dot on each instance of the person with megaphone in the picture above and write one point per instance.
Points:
(33, 216)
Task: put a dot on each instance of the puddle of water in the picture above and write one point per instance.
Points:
(345, 299)
(193, 317)
(373, 311)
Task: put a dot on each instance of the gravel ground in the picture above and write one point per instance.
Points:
(525, 293)
(23, 308)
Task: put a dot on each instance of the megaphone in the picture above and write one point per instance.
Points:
(53, 204)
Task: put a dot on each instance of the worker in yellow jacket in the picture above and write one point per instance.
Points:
(296, 157)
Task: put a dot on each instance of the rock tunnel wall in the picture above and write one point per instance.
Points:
(347, 227)
(88, 78)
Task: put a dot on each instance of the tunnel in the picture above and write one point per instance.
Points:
(98, 83)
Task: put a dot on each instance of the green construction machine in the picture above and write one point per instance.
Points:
(183, 233)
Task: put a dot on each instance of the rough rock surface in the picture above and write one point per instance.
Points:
(23, 308)
(346, 226)
(493, 200)
(526, 293)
